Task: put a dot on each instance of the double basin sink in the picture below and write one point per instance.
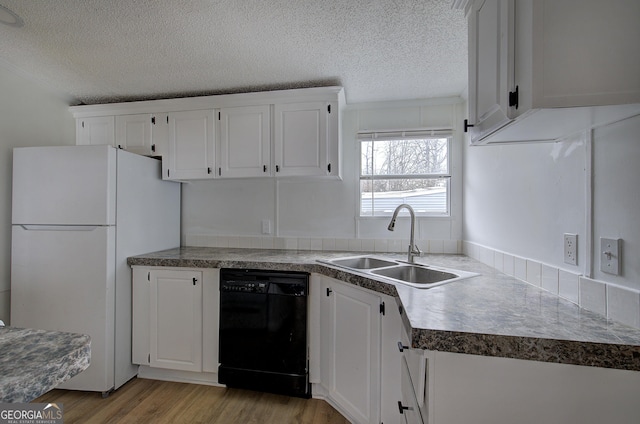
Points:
(415, 275)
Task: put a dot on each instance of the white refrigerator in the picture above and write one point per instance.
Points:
(78, 212)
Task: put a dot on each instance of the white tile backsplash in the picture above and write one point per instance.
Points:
(436, 246)
(616, 303)
(520, 268)
(498, 261)
(342, 244)
(450, 247)
(623, 305)
(593, 295)
(355, 245)
(368, 245)
(534, 273)
(549, 278)
(328, 244)
(381, 246)
(569, 286)
(487, 256)
(509, 264)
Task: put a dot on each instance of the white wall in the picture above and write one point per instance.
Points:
(310, 214)
(30, 115)
(519, 199)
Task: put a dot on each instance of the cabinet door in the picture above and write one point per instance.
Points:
(191, 145)
(141, 282)
(351, 349)
(245, 142)
(408, 406)
(176, 320)
(96, 130)
(301, 139)
(133, 133)
(160, 134)
(491, 65)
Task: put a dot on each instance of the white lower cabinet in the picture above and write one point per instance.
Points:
(175, 319)
(354, 365)
(489, 390)
(175, 327)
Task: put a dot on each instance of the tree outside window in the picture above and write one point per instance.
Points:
(407, 169)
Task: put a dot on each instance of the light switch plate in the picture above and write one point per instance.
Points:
(610, 255)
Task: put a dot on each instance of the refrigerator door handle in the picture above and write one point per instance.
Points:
(59, 227)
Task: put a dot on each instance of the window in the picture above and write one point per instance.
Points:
(411, 167)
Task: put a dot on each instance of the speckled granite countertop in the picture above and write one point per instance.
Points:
(35, 361)
(491, 314)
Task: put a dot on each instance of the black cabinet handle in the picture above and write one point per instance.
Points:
(402, 347)
(467, 125)
(195, 280)
(402, 408)
(277, 168)
(264, 168)
(329, 291)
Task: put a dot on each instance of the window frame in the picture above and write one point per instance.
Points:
(413, 134)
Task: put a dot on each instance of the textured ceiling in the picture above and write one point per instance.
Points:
(98, 51)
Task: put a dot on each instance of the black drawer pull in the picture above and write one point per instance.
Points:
(402, 347)
(195, 280)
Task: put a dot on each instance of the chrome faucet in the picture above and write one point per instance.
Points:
(413, 249)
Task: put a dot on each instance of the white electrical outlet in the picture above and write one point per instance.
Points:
(571, 249)
(266, 226)
(610, 255)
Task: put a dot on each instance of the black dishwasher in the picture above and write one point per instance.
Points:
(263, 331)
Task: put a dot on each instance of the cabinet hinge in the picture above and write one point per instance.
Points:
(329, 108)
(513, 98)
(153, 120)
(382, 308)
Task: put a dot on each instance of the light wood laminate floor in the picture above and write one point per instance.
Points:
(151, 401)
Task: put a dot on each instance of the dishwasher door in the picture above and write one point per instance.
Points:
(263, 331)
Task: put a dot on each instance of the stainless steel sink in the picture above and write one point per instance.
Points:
(415, 275)
(363, 262)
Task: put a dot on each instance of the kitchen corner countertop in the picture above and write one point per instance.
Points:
(491, 314)
(35, 361)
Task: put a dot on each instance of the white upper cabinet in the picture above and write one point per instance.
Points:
(191, 146)
(159, 134)
(285, 133)
(306, 139)
(541, 70)
(245, 142)
(95, 130)
(133, 133)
